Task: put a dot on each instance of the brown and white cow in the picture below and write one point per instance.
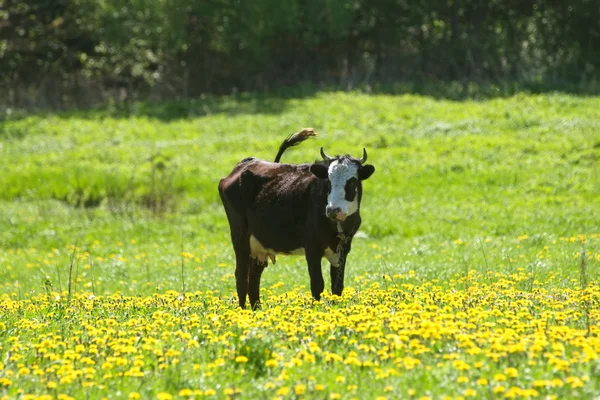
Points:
(309, 209)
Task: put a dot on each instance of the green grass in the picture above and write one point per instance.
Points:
(498, 186)
(444, 171)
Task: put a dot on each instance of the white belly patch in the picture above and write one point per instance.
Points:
(258, 251)
(262, 254)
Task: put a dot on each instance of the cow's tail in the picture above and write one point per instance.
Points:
(293, 140)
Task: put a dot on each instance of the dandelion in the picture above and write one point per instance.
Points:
(300, 389)
(282, 391)
(241, 359)
(499, 389)
(574, 382)
(499, 377)
(470, 393)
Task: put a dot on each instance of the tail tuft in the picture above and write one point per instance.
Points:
(293, 140)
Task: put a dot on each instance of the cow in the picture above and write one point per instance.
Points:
(302, 209)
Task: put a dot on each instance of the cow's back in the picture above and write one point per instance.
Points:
(272, 200)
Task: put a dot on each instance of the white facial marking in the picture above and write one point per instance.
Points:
(339, 174)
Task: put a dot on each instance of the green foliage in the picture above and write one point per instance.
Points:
(77, 53)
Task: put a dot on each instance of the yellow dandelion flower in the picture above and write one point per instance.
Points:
(300, 389)
(134, 396)
(241, 359)
(499, 377)
(282, 391)
(186, 392)
(271, 363)
(164, 396)
(499, 389)
(574, 382)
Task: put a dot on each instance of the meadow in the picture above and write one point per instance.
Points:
(474, 275)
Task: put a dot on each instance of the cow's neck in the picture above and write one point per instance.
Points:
(348, 226)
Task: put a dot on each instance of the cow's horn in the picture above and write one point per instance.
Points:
(364, 157)
(325, 156)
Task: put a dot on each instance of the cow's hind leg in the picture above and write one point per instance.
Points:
(241, 246)
(256, 269)
(242, 263)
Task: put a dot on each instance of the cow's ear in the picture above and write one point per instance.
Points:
(320, 171)
(365, 171)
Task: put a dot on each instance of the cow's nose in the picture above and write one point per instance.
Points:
(334, 213)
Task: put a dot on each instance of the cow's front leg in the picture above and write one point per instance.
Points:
(317, 285)
(337, 272)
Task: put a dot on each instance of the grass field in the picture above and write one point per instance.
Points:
(475, 274)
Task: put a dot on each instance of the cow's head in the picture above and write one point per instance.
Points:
(344, 175)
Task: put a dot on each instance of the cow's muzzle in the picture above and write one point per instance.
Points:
(335, 213)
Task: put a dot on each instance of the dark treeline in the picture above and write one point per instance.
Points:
(77, 53)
